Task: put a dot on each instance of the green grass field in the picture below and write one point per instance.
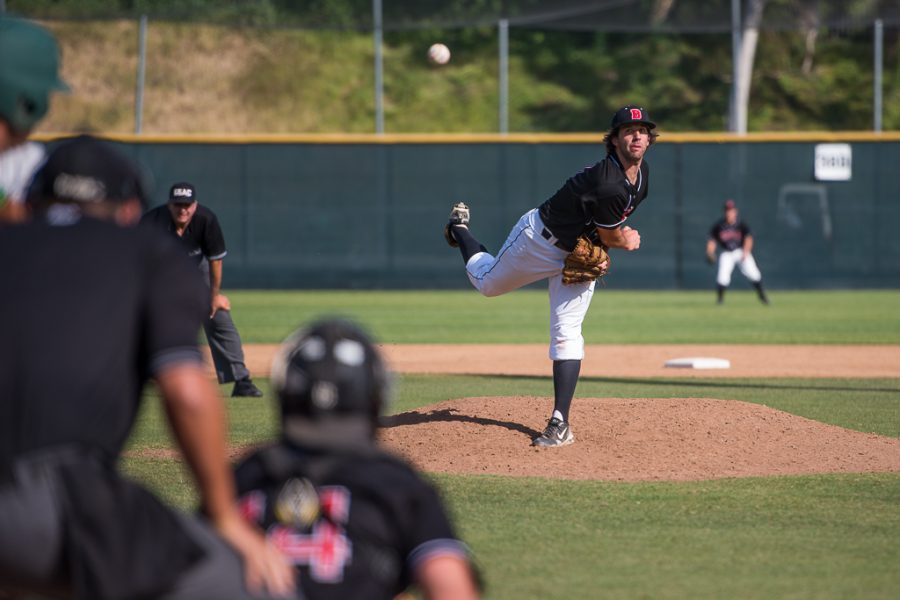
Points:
(667, 317)
(822, 536)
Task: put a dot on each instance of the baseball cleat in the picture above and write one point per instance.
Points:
(459, 215)
(557, 433)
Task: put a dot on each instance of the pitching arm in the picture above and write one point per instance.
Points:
(622, 237)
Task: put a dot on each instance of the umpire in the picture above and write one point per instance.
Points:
(92, 309)
(356, 522)
(198, 229)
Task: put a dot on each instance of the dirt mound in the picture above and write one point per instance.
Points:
(637, 439)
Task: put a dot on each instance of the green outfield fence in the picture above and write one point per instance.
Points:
(360, 211)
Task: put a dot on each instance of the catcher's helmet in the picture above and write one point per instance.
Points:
(331, 383)
(29, 71)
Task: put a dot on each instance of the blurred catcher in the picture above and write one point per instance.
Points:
(355, 521)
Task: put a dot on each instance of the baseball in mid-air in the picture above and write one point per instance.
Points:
(438, 54)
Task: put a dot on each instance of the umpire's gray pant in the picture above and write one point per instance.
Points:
(224, 341)
(225, 347)
(31, 546)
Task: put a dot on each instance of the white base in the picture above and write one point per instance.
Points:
(699, 363)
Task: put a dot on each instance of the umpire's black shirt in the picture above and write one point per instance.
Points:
(598, 196)
(88, 312)
(202, 237)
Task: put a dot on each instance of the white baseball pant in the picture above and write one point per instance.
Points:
(524, 258)
(727, 261)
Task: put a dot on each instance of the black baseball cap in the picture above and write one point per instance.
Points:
(631, 114)
(182, 193)
(86, 169)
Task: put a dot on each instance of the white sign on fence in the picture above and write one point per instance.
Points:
(834, 162)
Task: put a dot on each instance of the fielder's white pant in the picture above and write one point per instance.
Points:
(727, 261)
(524, 258)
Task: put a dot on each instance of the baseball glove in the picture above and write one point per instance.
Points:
(585, 263)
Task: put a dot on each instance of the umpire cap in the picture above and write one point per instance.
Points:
(182, 193)
(86, 170)
(631, 114)
(29, 71)
(331, 384)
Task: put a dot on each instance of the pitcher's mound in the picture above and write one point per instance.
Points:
(632, 440)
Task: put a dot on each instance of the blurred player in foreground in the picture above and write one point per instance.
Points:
(98, 308)
(29, 66)
(356, 522)
(735, 240)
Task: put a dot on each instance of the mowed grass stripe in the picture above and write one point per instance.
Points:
(615, 317)
(790, 537)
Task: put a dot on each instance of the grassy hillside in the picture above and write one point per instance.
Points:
(211, 79)
(220, 79)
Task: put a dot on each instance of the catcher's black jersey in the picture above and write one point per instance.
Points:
(598, 196)
(203, 236)
(91, 311)
(729, 237)
(355, 526)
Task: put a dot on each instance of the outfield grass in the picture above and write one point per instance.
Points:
(824, 536)
(463, 316)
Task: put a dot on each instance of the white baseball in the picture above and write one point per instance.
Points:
(439, 54)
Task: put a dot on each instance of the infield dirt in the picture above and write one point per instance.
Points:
(632, 439)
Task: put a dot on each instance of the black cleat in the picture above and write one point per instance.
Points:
(459, 215)
(244, 388)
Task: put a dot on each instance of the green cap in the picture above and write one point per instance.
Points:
(29, 71)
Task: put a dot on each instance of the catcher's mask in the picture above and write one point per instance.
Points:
(29, 72)
(331, 384)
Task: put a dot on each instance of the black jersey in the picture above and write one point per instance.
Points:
(202, 237)
(89, 311)
(729, 237)
(355, 526)
(598, 196)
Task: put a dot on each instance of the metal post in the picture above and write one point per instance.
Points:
(503, 35)
(879, 65)
(379, 67)
(142, 64)
(735, 69)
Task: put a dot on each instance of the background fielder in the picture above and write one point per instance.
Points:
(594, 202)
(735, 240)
